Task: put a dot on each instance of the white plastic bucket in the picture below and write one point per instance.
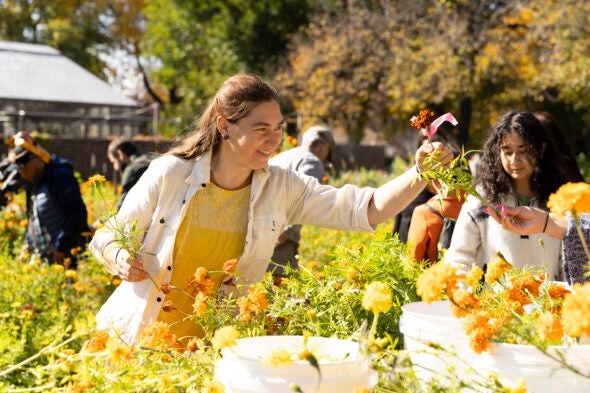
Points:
(542, 374)
(342, 366)
(423, 324)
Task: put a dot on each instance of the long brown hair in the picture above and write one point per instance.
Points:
(545, 179)
(234, 100)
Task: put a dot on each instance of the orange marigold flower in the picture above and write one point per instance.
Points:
(557, 291)
(572, 197)
(200, 282)
(530, 283)
(496, 268)
(463, 303)
(352, 275)
(473, 276)
(435, 279)
(158, 334)
(423, 119)
(229, 266)
(165, 288)
(360, 389)
(474, 320)
(479, 339)
(575, 311)
(246, 310)
(168, 306)
(97, 342)
(201, 274)
(519, 297)
(257, 297)
(193, 344)
(200, 304)
(549, 328)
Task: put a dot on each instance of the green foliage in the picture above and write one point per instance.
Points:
(362, 177)
(584, 165)
(48, 341)
(41, 307)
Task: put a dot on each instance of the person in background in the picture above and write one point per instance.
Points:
(526, 220)
(403, 219)
(57, 215)
(428, 218)
(310, 158)
(126, 158)
(213, 198)
(517, 169)
(566, 161)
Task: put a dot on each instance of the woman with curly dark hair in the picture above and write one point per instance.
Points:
(517, 169)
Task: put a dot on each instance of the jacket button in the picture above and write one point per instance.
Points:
(162, 220)
(169, 267)
(204, 185)
(158, 299)
(183, 201)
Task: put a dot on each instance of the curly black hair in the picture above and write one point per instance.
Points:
(542, 154)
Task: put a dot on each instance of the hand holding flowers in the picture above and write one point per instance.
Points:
(126, 249)
(450, 173)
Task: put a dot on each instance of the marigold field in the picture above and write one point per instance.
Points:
(48, 342)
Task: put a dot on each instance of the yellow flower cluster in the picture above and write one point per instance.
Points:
(571, 197)
(252, 304)
(437, 278)
(226, 336)
(575, 311)
(157, 334)
(277, 357)
(512, 305)
(377, 297)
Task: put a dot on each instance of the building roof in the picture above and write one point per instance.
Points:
(42, 73)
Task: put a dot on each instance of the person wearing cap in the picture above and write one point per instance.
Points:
(310, 158)
(57, 215)
(126, 158)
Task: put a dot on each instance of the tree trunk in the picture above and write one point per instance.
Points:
(465, 111)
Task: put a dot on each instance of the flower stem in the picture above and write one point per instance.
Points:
(374, 325)
(581, 234)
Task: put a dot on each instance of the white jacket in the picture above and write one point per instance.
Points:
(159, 201)
(477, 237)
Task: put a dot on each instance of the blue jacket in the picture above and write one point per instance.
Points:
(55, 209)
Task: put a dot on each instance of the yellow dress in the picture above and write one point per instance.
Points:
(213, 231)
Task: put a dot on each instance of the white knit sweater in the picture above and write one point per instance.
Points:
(477, 237)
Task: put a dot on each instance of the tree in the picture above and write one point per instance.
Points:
(390, 59)
(336, 69)
(77, 29)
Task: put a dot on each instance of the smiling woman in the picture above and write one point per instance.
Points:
(213, 198)
(517, 169)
